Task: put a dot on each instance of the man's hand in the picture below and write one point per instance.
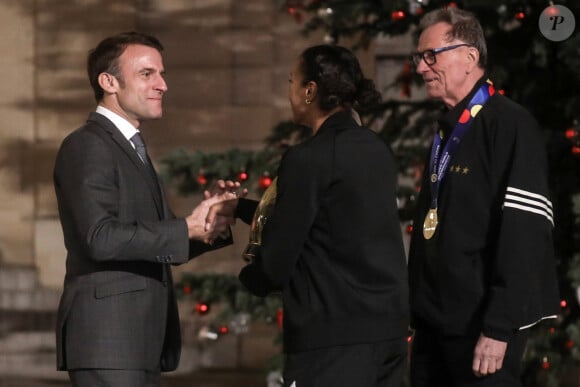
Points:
(213, 216)
(221, 211)
(207, 230)
(488, 356)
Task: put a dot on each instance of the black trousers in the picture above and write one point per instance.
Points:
(380, 364)
(114, 378)
(446, 361)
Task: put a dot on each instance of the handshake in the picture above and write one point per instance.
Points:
(213, 216)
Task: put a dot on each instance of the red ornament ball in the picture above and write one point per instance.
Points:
(186, 289)
(294, 11)
(201, 179)
(265, 181)
(243, 176)
(409, 228)
(398, 15)
(571, 133)
(546, 364)
(223, 329)
(202, 308)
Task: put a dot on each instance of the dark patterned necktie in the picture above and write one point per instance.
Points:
(141, 149)
(137, 140)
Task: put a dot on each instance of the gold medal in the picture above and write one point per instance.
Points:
(430, 223)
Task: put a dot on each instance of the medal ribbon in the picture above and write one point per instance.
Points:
(439, 160)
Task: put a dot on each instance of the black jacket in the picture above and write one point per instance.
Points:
(490, 265)
(333, 243)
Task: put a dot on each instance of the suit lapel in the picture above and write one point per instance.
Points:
(148, 174)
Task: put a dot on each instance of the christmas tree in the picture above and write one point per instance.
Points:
(540, 74)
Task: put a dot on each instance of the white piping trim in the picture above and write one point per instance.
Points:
(537, 322)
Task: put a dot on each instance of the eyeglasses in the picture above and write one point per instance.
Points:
(430, 56)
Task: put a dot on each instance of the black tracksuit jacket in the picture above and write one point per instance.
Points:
(490, 266)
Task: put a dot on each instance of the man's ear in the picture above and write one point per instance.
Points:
(472, 58)
(108, 82)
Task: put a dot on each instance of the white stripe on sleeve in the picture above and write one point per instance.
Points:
(530, 202)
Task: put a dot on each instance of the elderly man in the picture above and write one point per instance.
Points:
(481, 265)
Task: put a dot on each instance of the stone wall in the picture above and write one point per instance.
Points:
(17, 133)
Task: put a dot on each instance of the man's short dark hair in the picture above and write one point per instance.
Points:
(105, 57)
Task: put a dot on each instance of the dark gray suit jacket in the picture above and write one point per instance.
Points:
(118, 308)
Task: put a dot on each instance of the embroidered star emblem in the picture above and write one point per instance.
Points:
(465, 170)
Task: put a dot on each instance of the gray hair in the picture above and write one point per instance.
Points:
(464, 27)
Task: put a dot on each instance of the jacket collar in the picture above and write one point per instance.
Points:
(339, 120)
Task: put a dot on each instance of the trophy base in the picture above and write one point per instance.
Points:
(251, 252)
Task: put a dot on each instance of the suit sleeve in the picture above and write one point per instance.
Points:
(523, 278)
(98, 220)
(298, 198)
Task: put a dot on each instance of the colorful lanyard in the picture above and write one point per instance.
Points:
(439, 160)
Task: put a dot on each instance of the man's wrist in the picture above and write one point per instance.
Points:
(498, 334)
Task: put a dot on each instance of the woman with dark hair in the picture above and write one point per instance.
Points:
(332, 243)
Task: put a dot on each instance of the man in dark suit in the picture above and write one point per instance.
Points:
(118, 323)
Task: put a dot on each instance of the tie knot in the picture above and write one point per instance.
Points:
(138, 140)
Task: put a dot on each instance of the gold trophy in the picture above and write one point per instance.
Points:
(260, 217)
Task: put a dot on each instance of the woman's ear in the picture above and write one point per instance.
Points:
(311, 91)
(108, 82)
